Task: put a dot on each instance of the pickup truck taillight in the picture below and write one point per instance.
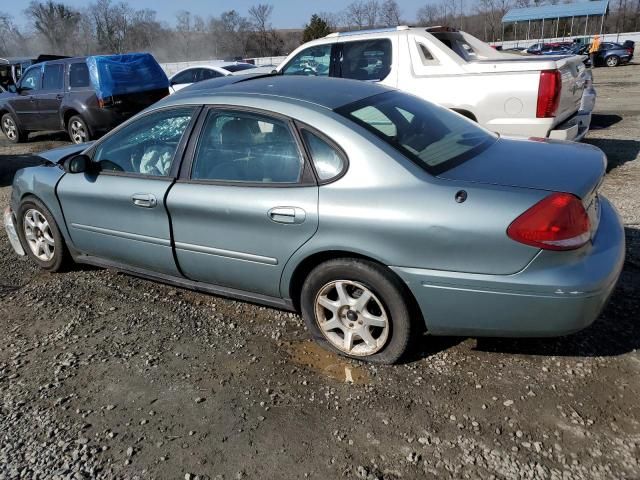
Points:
(557, 222)
(549, 93)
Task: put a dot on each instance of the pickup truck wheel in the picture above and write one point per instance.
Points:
(78, 130)
(613, 61)
(357, 308)
(11, 130)
(41, 236)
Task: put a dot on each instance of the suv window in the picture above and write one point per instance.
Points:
(246, 147)
(31, 79)
(366, 60)
(53, 77)
(147, 145)
(433, 137)
(311, 61)
(188, 76)
(78, 75)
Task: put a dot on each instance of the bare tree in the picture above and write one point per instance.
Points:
(10, 36)
(428, 15)
(260, 16)
(390, 13)
(55, 21)
(356, 14)
(229, 34)
(371, 9)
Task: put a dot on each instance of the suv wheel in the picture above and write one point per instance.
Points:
(11, 130)
(612, 61)
(78, 130)
(41, 236)
(357, 308)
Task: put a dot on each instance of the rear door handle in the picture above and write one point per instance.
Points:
(145, 200)
(287, 215)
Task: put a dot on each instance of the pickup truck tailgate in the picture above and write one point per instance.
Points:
(574, 81)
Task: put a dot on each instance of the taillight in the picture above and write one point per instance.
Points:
(548, 93)
(629, 51)
(557, 222)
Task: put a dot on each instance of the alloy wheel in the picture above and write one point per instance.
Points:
(612, 61)
(352, 318)
(78, 132)
(38, 234)
(10, 128)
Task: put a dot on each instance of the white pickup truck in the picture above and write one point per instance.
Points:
(536, 96)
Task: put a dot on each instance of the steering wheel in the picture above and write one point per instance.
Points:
(309, 71)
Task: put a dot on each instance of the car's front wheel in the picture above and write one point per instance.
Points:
(11, 129)
(41, 236)
(612, 61)
(78, 130)
(357, 308)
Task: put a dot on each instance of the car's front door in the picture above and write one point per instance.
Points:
(25, 104)
(50, 96)
(116, 211)
(245, 205)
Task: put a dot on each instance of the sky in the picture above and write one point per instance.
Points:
(286, 13)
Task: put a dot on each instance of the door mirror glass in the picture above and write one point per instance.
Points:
(77, 164)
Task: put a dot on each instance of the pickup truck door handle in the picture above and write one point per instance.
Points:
(287, 215)
(145, 200)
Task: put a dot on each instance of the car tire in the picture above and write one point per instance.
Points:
(376, 330)
(41, 237)
(11, 129)
(78, 130)
(612, 61)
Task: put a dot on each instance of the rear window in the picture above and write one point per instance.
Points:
(238, 67)
(459, 45)
(435, 138)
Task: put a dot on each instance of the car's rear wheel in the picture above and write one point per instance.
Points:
(357, 308)
(11, 129)
(612, 61)
(41, 236)
(78, 130)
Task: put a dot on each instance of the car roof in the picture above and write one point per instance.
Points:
(326, 92)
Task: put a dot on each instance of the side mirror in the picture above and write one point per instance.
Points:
(77, 164)
(12, 88)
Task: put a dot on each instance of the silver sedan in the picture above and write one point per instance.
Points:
(375, 214)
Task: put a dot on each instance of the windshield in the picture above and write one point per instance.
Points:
(238, 67)
(434, 137)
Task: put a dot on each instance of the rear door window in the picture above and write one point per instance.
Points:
(53, 77)
(367, 60)
(78, 75)
(314, 61)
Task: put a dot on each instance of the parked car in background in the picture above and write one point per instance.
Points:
(520, 95)
(11, 68)
(198, 73)
(631, 45)
(400, 216)
(85, 96)
(610, 54)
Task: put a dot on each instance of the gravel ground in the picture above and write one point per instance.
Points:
(103, 375)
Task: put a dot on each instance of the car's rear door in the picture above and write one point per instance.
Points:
(246, 202)
(50, 96)
(117, 211)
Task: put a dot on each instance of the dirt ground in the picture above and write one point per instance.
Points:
(103, 375)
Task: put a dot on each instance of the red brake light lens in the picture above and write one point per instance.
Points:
(548, 93)
(557, 222)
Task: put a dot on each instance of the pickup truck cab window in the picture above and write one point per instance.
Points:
(311, 61)
(366, 60)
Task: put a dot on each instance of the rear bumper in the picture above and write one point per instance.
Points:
(556, 294)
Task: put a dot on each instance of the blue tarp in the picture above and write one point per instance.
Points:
(563, 10)
(121, 74)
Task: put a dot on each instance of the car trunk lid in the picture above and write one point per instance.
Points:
(542, 164)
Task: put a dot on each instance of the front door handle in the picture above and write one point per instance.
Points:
(145, 200)
(59, 96)
(287, 215)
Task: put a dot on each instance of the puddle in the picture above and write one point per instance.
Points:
(309, 354)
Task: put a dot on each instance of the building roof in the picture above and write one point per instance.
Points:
(564, 10)
(326, 92)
